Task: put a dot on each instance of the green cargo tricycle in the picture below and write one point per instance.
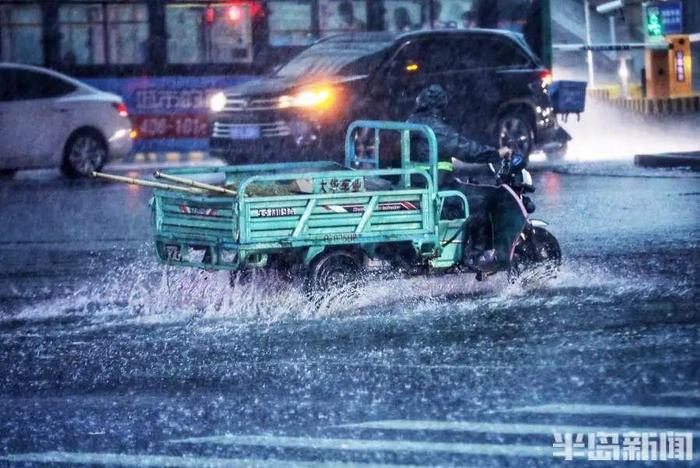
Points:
(331, 223)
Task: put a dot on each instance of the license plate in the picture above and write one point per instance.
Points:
(245, 132)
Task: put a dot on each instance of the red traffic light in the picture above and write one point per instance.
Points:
(234, 13)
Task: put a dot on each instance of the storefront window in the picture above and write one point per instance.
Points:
(209, 33)
(290, 23)
(20, 33)
(337, 16)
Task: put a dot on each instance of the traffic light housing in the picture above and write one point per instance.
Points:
(654, 27)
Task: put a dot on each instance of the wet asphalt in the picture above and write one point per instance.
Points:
(108, 358)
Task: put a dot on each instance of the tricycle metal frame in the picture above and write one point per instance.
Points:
(244, 231)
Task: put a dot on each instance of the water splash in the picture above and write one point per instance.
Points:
(144, 292)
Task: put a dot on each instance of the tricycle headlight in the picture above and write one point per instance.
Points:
(217, 102)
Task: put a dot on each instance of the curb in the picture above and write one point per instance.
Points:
(691, 160)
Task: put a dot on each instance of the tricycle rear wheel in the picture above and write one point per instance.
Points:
(333, 269)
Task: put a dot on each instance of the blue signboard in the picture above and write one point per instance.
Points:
(170, 113)
(671, 17)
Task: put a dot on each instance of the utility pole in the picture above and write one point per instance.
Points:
(613, 32)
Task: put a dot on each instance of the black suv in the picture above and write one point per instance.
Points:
(497, 88)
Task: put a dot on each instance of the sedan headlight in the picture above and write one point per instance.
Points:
(217, 102)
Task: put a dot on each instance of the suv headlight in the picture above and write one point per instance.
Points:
(319, 98)
(217, 102)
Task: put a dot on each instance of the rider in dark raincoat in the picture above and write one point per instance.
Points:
(430, 110)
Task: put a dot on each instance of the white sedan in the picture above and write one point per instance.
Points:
(48, 119)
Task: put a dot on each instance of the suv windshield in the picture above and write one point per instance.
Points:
(336, 58)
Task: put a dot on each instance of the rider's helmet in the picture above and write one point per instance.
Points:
(433, 98)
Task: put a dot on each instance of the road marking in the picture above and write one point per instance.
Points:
(122, 459)
(374, 445)
(686, 394)
(499, 428)
(622, 410)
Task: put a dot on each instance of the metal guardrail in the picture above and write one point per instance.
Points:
(609, 47)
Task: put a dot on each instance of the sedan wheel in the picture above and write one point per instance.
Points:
(85, 153)
(515, 132)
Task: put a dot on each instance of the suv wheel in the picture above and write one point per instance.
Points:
(514, 130)
(85, 152)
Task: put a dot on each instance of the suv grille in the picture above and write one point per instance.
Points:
(238, 104)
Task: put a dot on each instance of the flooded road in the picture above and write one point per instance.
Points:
(107, 357)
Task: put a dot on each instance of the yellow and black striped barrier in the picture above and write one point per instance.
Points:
(600, 93)
(648, 106)
(163, 157)
(611, 92)
(666, 106)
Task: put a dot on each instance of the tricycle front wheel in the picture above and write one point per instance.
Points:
(536, 258)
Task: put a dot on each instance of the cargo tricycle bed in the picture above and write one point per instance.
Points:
(326, 218)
